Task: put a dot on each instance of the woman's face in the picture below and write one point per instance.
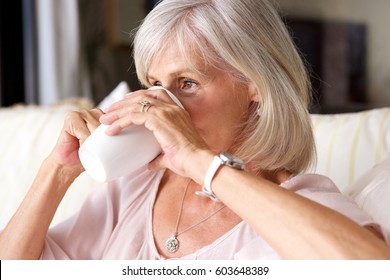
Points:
(217, 104)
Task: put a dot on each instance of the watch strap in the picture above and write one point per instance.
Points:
(210, 173)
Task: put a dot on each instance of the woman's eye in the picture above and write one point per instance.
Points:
(157, 84)
(189, 85)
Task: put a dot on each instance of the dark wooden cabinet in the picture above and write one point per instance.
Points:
(335, 54)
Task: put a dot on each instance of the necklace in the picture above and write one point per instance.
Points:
(172, 244)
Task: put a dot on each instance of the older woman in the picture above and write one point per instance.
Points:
(245, 91)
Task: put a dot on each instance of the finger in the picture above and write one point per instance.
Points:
(75, 125)
(157, 163)
(159, 94)
(97, 112)
(133, 103)
(123, 110)
(118, 110)
(91, 118)
(119, 124)
(124, 117)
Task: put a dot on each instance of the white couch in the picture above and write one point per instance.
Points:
(348, 147)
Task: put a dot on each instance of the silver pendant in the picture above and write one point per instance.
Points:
(172, 244)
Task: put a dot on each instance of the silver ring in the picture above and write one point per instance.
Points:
(144, 104)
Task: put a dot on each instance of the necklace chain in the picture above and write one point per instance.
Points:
(172, 244)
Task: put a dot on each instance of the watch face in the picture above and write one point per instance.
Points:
(232, 160)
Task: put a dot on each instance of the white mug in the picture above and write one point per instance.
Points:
(106, 157)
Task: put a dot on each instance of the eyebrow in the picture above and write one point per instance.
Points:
(185, 72)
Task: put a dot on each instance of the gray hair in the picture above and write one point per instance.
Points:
(248, 38)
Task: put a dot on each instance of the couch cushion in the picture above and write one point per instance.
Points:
(350, 144)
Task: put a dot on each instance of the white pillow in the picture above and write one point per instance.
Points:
(372, 193)
(117, 94)
(350, 144)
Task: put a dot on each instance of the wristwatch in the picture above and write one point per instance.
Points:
(223, 158)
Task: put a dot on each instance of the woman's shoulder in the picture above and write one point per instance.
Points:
(323, 190)
(310, 182)
(320, 189)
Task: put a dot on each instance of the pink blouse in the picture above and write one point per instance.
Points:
(115, 222)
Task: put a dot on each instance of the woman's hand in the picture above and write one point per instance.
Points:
(171, 125)
(77, 127)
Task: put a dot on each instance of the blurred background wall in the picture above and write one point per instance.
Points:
(52, 50)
